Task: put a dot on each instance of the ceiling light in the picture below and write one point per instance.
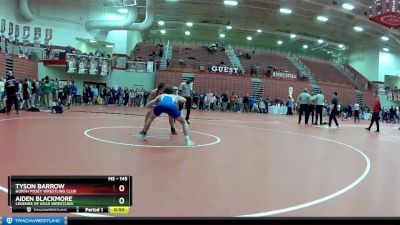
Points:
(163, 31)
(229, 27)
(161, 22)
(385, 49)
(384, 38)
(226, 2)
(358, 28)
(187, 33)
(109, 46)
(222, 35)
(123, 10)
(320, 41)
(249, 38)
(348, 6)
(279, 42)
(293, 36)
(285, 10)
(189, 24)
(305, 46)
(322, 18)
(93, 41)
(259, 31)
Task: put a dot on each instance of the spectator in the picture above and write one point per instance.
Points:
(2, 83)
(224, 101)
(246, 103)
(375, 115)
(74, 93)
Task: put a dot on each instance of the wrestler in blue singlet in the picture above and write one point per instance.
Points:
(167, 105)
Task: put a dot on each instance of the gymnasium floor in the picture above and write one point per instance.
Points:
(242, 164)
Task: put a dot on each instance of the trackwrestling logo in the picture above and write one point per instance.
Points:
(33, 220)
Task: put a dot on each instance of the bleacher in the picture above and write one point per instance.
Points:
(194, 57)
(280, 88)
(144, 51)
(265, 59)
(22, 68)
(346, 95)
(325, 72)
(361, 80)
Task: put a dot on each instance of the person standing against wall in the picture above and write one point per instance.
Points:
(186, 92)
(375, 113)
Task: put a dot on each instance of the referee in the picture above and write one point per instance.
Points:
(304, 99)
(186, 92)
(319, 101)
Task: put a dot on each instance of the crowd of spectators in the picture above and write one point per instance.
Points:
(47, 93)
(116, 95)
(31, 93)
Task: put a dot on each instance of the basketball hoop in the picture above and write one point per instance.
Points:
(385, 13)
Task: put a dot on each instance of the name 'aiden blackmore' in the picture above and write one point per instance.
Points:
(44, 198)
(39, 186)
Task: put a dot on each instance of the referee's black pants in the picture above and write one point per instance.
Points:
(10, 101)
(318, 112)
(332, 116)
(375, 119)
(303, 109)
(188, 107)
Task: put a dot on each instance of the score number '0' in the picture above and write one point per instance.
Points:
(121, 200)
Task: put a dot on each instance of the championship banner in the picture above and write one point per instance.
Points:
(71, 63)
(83, 65)
(390, 95)
(27, 32)
(150, 66)
(105, 67)
(16, 31)
(137, 66)
(94, 66)
(10, 28)
(38, 33)
(49, 34)
(3, 25)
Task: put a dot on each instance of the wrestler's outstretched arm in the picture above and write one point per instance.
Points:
(154, 101)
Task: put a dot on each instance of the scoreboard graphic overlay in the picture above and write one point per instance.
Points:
(67, 194)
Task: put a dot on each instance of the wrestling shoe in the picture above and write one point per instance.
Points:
(189, 143)
(143, 136)
(173, 131)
